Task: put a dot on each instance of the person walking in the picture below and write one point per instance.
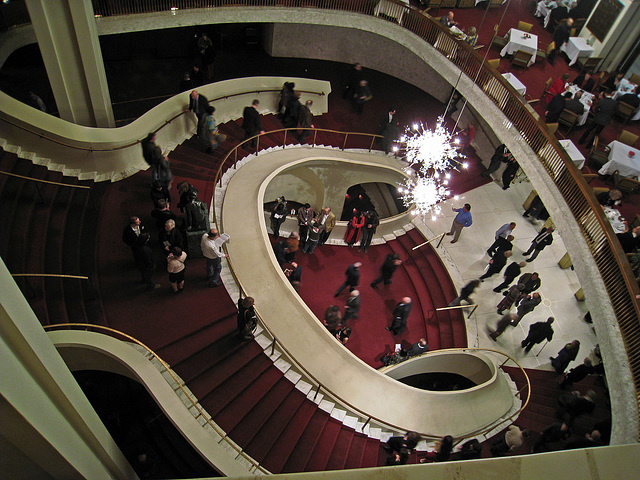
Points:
(391, 262)
(251, 123)
(306, 120)
(538, 332)
(508, 319)
(467, 290)
(198, 105)
(542, 240)
(510, 273)
(352, 278)
(371, 222)
(400, 315)
(603, 112)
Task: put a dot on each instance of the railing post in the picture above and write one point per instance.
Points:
(39, 192)
(344, 145)
(315, 134)
(317, 391)
(273, 346)
(440, 241)
(373, 139)
(284, 142)
(365, 424)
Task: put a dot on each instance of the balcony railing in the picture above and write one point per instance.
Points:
(612, 264)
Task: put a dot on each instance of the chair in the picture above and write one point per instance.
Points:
(495, 63)
(627, 138)
(547, 86)
(625, 111)
(635, 78)
(544, 52)
(495, 3)
(524, 26)
(568, 119)
(521, 59)
(578, 23)
(552, 128)
(588, 64)
(597, 157)
(498, 40)
(466, 4)
(625, 185)
(590, 177)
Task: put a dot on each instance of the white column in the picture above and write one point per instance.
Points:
(48, 429)
(68, 40)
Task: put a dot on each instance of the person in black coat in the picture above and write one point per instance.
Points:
(512, 271)
(198, 104)
(509, 173)
(584, 81)
(562, 33)
(556, 105)
(630, 99)
(501, 155)
(371, 222)
(497, 263)
(542, 240)
(136, 236)
(391, 262)
(251, 123)
(389, 129)
(159, 192)
(159, 164)
(465, 293)
(353, 278)
(355, 75)
(247, 320)
(400, 315)
(603, 112)
(538, 332)
(362, 95)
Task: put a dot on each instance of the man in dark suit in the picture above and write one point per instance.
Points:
(584, 81)
(400, 315)
(574, 104)
(555, 106)
(542, 240)
(352, 280)
(630, 98)
(251, 123)
(136, 236)
(391, 262)
(538, 332)
(512, 271)
(389, 129)
(562, 33)
(497, 263)
(605, 109)
(198, 104)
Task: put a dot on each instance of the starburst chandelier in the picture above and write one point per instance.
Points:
(431, 155)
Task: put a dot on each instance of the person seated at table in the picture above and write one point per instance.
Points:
(574, 104)
(447, 20)
(630, 98)
(472, 37)
(556, 105)
(557, 87)
(610, 198)
(611, 83)
(584, 81)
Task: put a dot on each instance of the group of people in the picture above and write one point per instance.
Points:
(503, 155)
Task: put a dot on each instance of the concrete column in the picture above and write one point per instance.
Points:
(68, 40)
(48, 429)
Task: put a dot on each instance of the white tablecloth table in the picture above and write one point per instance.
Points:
(586, 99)
(576, 47)
(625, 86)
(391, 9)
(515, 83)
(518, 41)
(620, 160)
(573, 152)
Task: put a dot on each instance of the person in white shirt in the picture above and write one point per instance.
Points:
(211, 246)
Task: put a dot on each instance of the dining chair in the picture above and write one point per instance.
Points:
(547, 85)
(521, 59)
(552, 128)
(498, 40)
(524, 26)
(627, 138)
(588, 63)
(624, 184)
(568, 119)
(598, 157)
(625, 111)
(495, 63)
(635, 78)
(578, 23)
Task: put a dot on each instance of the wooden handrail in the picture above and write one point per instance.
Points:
(48, 275)
(83, 187)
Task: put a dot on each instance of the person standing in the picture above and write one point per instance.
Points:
(465, 293)
(354, 228)
(391, 262)
(312, 239)
(162, 213)
(305, 216)
(137, 238)
(278, 216)
(510, 442)
(418, 348)
(352, 307)
(565, 356)
(461, 220)
(508, 319)
(362, 95)
(251, 123)
(400, 315)
(603, 112)
(371, 222)
(503, 232)
(211, 135)
(353, 278)
(530, 282)
(159, 163)
(501, 155)
(198, 105)
(538, 332)
(511, 272)
(528, 304)
(306, 120)
(211, 246)
(355, 75)
(389, 129)
(513, 295)
(247, 319)
(175, 267)
(328, 221)
(542, 240)
(509, 173)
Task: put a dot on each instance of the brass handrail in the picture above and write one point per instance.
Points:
(48, 275)
(83, 187)
(194, 402)
(441, 236)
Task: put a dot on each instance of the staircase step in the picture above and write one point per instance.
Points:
(340, 451)
(306, 443)
(355, 455)
(324, 447)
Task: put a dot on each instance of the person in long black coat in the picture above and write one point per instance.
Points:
(251, 123)
(538, 332)
(400, 315)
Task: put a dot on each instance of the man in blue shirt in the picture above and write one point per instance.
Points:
(463, 219)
